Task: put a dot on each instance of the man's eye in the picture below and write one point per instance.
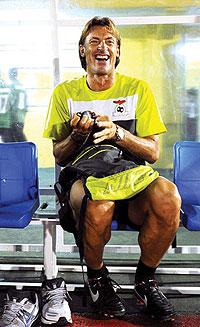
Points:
(94, 41)
(110, 42)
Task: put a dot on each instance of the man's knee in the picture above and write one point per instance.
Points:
(99, 214)
(165, 200)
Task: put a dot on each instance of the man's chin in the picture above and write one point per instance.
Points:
(104, 71)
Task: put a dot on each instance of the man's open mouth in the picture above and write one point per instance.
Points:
(102, 57)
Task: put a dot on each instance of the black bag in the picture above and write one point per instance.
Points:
(106, 175)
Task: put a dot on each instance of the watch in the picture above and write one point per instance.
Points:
(119, 134)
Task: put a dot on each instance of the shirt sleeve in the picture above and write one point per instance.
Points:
(148, 118)
(57, 125)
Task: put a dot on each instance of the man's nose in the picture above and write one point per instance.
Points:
(102, 44)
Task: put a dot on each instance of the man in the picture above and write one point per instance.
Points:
(17, 102)
(4, 112)
(127, 118)
(13, 109)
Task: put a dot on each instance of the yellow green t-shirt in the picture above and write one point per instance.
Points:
(129, 103)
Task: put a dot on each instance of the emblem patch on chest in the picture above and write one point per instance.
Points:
(120, 108)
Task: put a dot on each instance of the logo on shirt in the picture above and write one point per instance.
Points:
(120, 108)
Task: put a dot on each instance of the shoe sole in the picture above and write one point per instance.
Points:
(162, 318)
(110, 316)
(107, 315)
(61, 322)
(33, 323)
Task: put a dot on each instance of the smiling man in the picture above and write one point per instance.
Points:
(100, 51)
(114, 122)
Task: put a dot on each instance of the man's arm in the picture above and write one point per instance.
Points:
(146, 148)
(65, 150)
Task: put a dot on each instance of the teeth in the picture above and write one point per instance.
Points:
(101, 57)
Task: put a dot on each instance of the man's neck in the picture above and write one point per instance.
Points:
(100, 83)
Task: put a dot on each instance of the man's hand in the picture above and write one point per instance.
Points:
(108, 129)
(81, 125)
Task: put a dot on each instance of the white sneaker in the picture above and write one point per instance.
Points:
(55, 298)
(19, 313)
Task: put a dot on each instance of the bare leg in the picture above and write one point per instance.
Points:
(98, 221)
(158, 210)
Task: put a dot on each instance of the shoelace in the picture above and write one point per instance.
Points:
(113, 283)
(57, 295)
(11, 309)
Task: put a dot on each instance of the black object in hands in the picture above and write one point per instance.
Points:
(87, 113)
(91, 115)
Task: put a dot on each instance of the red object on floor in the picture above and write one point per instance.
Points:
(80, 321)
(185, 320)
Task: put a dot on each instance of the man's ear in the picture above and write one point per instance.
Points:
(82, 50)
(118, 52)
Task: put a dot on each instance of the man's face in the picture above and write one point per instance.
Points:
(100, 50)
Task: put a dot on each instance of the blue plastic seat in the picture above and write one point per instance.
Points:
(19, 194)
(187, 179)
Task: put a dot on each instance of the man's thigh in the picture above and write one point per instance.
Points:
(76, 196)
(139, 205)
(137, 209)
(132, 209)
(101, 211)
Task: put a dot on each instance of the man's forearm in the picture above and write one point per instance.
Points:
(146, 148)
(64, 150)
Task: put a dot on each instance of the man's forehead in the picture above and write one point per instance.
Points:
(95, 31)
